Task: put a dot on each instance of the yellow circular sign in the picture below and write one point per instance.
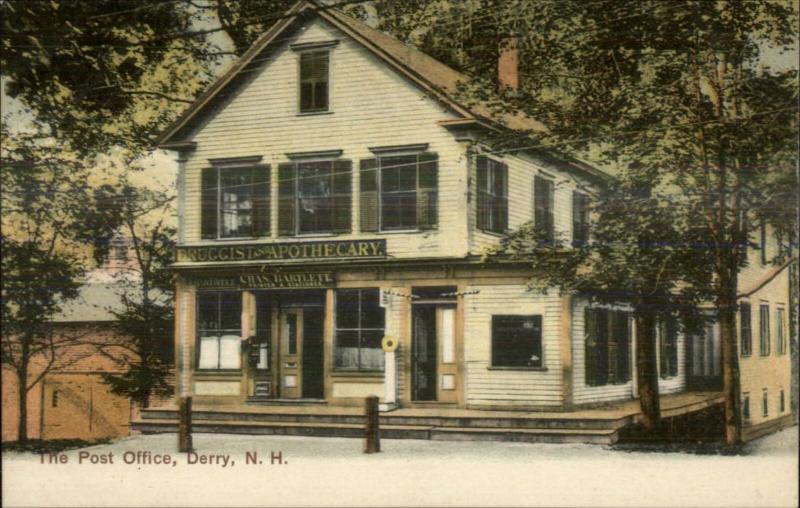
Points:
(389, 344)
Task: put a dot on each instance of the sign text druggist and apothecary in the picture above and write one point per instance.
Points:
(346, 249)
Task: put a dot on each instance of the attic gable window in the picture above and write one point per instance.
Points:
(314, 79)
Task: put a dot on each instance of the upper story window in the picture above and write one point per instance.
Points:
(780, 333)
(492, 195)
(399, 192)
(314, 197)
(543, 191)
(235, 201)
(764, 344)
(580, 218)
(745, 329)
(314, 81)
(219, 329)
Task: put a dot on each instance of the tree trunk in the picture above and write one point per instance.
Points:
(22, 379)
(726, 303)
(646, 369)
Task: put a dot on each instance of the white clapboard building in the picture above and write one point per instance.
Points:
(334, 203)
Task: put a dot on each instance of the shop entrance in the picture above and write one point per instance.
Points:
(296, 342)
(433, 346)
(704, 360)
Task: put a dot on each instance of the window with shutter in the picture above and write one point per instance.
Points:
(235, 202)
(314, 81)
(408, 191)
(369, 195)
(543, 208)
(492, 195)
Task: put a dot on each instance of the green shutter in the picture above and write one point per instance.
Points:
(286, 199)
(261, 200)
(427, 191)
(208, 203)
(482, 189)
(369, 195)
(342, 196)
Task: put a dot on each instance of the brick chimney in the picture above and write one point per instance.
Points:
(508, 63)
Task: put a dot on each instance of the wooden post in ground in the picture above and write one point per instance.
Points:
(185, 425)
(372, 436)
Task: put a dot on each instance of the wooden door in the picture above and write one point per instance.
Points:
(434, 363)
(290, 353)
(447, 366)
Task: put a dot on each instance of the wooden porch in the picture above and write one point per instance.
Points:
(600, 425)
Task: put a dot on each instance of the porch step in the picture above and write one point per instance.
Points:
(320, 429)
(356, 417)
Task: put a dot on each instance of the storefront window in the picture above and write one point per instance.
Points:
(360, 324)
(517, 341)
(219, 330)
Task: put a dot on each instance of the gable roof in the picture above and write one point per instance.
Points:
(436, 78)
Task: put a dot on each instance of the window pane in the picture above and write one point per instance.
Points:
(372, 314)
(209, 353)
(345, 354)
(207, 311)
(229, 352)
(371, 351)
(236, 191)
(321, 95)
(230, 311)
(306, 96)
(347, 308)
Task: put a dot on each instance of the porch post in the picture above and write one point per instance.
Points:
(566, 352)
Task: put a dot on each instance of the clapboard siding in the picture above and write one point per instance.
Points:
(522, 387)
(371, 106)
(521, 172)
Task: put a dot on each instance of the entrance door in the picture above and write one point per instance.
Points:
(705, 371)
(433, 351)
(290, 353)
(300, 353)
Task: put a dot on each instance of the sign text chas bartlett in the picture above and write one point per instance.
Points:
(347, 249)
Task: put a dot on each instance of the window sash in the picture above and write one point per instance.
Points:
(764, 339)
(607, 341)
(668, 351)
(218, 345)
(319, 195)
(514, 332)
(745, 329)
(492, 195)
(543, 207)
(580, 218)
(780, 336)
(314, 77)
(408, 191)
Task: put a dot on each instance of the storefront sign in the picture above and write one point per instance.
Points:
(346, 249)
(275, 280)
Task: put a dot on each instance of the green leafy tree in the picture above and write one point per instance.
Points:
(146, 319)
(680, 88)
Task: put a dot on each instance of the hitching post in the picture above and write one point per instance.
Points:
(185, 425)
(372, 438)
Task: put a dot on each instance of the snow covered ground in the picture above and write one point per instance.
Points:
(334, 472)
